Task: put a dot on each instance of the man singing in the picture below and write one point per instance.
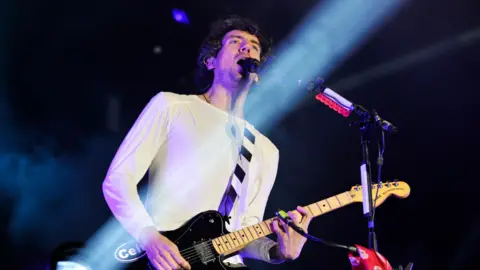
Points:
(193, 147)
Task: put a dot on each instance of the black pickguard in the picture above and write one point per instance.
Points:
(193, 241)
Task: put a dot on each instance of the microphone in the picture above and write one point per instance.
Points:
(384, 123)
(249, 65)
(344, 107)
(328, 97)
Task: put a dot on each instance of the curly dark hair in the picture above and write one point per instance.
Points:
(212, 44)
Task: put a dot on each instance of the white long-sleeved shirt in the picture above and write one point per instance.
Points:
(187, 148)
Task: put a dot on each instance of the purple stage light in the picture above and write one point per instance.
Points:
(180, 16)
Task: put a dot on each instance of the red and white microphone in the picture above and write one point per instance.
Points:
(343, 106)
(328, 97)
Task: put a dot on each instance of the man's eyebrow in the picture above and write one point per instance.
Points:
(240, 37)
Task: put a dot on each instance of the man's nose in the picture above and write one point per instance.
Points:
(245, 49)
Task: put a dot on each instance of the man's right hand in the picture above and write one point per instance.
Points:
(162, 253)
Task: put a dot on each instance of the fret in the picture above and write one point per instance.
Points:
(224, 245)
(233, 243)
(336, 197)
(258, 230)
(329, 206)
(226, 242)
(239, 237)
(309, 211)
(248, 234)
(323, 205)
(233, 239)
(218, 243)
(333, 202)
(315, 209)
(244, 236)
(253, 232)
(344, 198)
(265, 228)
(269, 223)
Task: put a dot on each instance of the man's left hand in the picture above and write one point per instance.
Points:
(290, 242)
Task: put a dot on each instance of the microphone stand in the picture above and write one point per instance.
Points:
(365, 125)
(368, 121)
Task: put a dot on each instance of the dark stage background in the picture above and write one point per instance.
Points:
(66, 66)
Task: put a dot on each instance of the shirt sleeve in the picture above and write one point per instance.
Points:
(130, 164)
(260, 248)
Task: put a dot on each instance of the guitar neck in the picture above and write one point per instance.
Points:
(235, 241)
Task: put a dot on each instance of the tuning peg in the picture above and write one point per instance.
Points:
(395, 182)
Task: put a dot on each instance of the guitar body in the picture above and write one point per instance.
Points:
(192, 239)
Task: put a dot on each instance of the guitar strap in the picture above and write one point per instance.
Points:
(238, 182)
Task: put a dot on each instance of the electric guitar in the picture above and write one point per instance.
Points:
(204, 242)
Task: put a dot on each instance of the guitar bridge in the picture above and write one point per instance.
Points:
(204, 252)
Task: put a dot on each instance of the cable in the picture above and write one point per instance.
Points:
(381, 151)
(284, 216)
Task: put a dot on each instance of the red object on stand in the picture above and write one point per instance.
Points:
(368, 259)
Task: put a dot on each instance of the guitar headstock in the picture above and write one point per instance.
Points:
(398, 188)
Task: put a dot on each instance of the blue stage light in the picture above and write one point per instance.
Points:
(180, 16)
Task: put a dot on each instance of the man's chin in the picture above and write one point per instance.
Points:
(239, 77)
(238, 81)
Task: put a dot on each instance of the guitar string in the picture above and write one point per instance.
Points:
(199, 260)
(192, 249)
(197, 256)
(189, 251)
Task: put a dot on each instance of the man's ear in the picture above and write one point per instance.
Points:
(210, 62)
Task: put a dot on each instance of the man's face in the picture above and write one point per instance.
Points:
(236, 45)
